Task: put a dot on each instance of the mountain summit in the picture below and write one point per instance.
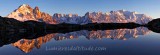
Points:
(25, 12)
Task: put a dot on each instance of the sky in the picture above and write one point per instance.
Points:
(148, 7)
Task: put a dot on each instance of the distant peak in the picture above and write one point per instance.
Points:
(24, 5)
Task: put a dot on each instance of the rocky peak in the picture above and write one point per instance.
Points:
(37, 12)
(22, 13)
(24, 5)
(57, 15)
(25, 8)
(87, 15)
(25, 12)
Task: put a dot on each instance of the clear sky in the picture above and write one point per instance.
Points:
(149, 7)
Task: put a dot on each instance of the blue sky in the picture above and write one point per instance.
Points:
(149, 7)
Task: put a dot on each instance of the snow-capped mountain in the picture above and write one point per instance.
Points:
(120, 16)
(25, 12)
(70, 18)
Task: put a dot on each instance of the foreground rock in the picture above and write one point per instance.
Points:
(154, 25)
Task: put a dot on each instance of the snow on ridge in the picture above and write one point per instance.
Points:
(25, 12)
(119, 16)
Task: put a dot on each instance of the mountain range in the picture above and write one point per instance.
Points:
(25, 12)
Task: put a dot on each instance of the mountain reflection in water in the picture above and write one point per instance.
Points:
(26, 45)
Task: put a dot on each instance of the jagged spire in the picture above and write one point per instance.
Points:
(36, 8)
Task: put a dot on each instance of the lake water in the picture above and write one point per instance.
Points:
(138, 41)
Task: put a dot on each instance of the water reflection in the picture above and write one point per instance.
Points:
(26, 45)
